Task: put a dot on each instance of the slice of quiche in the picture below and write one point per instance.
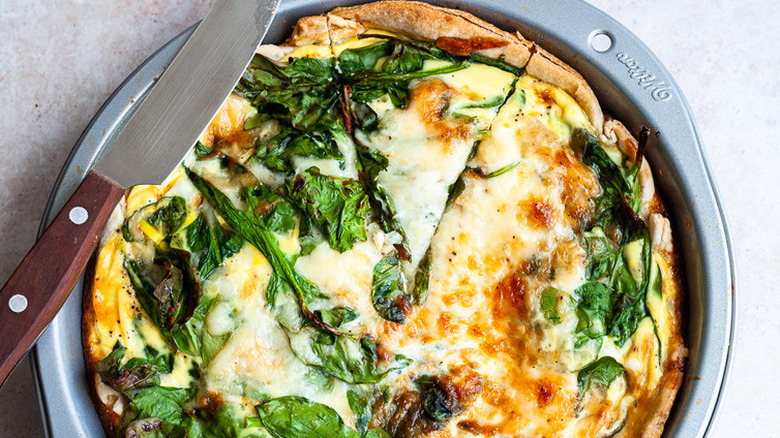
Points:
(404, 222)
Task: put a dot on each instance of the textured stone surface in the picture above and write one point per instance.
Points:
(60, 64)
(61, 61)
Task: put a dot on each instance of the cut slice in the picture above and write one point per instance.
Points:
(418, 114)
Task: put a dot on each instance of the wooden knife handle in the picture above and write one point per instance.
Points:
(39, 286)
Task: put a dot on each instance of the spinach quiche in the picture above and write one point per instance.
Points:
(404, 222)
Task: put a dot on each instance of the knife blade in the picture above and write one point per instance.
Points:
(164, 127)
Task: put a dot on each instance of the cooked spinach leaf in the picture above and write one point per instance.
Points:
(187, 336)
(616, 308)
(171, 298)
(548, 304)
(209, 245)
(388, 290)
(421, 279)
(298, 417)
(618, 186)
(212, 344)
(157, 220)
(609, 252)
(352, 360)
(602, 253)
(594, 311)
(498, 63)
(276, 213)
(201, 150)
(371, 163)
(169, 215)
(137, 372)
(631, 313)
(338, 207)
(336, 317)
(349, 359)
(631, 307)
(369, 86)
(480, 173)
(247, 225)
(601, 372)
(278, 152)
(284, 304)
(387, 68)
(455, 190)
(303, 98)
(360, 402)
(161, 402)
(226, 422)
(301, 94)
(352, 61)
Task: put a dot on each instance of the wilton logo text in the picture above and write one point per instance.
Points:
(659, 90)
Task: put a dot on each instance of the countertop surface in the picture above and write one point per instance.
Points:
(60, 64)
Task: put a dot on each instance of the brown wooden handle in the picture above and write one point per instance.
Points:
(39, 286)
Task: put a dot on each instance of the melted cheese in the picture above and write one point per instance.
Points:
(427, 147)
(494, 250)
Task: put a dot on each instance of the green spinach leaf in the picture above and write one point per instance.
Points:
(278, 152)
(247, 225)
(170, 299)
(601, 372)
(421, 280)
(301, 94)
(387, 68)
(360, 402)
(298, 417)
(303, 98)
(352, 61)
(594, 311)
(548, 304)
(169, 215)
(276, 214)
(136, 372)
(602, 253)
(338, 207)
(201, 150)
(371, 163)
(388, 290)
(335, 348)
(187, 336)
(209, 245)
(336, 317)
(162, 402)
(352, 360)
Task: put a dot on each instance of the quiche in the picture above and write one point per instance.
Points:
(404, 222)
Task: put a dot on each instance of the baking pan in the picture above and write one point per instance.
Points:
(630, 83)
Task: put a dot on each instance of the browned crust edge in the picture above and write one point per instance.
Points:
(651, 419)
(310, 30)
(427, 22)
(110, 420)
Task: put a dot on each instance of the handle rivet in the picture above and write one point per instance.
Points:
(600, 41)
(17, 303)
(78, 215)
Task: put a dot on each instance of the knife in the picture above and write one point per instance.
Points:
(164, 127)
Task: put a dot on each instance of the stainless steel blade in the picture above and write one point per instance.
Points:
(188, 95)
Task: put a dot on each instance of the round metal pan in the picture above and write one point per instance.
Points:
(631, 84)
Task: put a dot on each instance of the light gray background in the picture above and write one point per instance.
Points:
(60, 60)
